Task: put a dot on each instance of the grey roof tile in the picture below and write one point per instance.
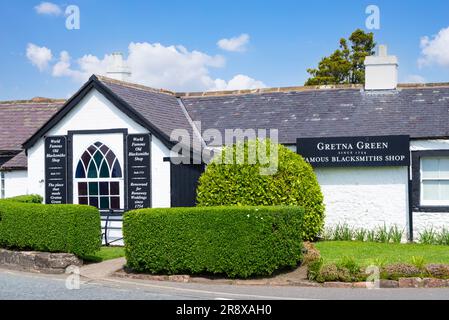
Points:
(420, 112)
(19, 121)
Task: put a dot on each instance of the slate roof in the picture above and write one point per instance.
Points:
(418, 111)
(19, 162)
(20, 120)
(160, 107)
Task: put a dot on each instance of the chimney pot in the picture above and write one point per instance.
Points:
(118, 70)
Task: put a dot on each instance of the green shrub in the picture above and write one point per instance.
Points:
(382, 234)
(400, 270)
(419, 262)
(428, 236)
(438, 270)
(236, 241)
(396, 234)
(32, 198)
(431, 236)
(314, 269)
(50, 228)
(338, 272)
(442, 237)
(242, 184)
(360, 234)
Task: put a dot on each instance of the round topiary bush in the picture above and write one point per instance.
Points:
(245, 182)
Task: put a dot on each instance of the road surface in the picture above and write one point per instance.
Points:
(18, 286)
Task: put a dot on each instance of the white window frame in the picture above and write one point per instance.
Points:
(431, 203)
(114, 141)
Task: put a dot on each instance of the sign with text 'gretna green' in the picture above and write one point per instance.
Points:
(379, 151)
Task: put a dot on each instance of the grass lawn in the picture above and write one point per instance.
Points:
(366, 253)
(106, 253)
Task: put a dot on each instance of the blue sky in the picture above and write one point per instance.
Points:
(173, 44)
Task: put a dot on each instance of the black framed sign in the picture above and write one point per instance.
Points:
(56, 170)
(378, 151)
(139, 171)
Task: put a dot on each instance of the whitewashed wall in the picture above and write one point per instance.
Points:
(365, 197)
(426, 220)
(95, 112)
(16, 183)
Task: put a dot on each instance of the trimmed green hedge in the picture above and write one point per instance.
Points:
(241, 184)
(50, 228)
(235, 241)
(32, 198)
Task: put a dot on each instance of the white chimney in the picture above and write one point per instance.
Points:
(381, 71)
(118, 70)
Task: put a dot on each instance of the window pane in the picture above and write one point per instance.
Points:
(92, 149)
(104, 202)
(93, 188)
(444, 190)
(104, 171)
(430, 190)
(86, 158)
(82, 188)
(80, 172)
(115, 203)
(98, 157)
(82, 200)
(104, 188)
(117, 170)
(104, 149)
(110, 157)
(444, 168)
(92, 171)
(93, 201)
(115, 189)
(430, 168)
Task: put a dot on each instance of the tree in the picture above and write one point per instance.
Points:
(345, 65)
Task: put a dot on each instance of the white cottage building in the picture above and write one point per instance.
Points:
(380, 151)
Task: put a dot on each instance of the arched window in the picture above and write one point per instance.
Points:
(98, 174)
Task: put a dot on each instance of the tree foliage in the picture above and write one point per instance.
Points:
(346, 64)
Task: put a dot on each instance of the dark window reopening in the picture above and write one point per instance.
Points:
(98, 174)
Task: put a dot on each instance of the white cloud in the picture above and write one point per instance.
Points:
(48, 8)
(158, 66)
(236, 44)
(87, 65)
(435, 50)
(39, 56)
(239, 82)
(415, 78)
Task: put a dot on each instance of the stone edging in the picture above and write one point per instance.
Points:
(384, 284)
(204, 280)
(401, 283)
(42, 262)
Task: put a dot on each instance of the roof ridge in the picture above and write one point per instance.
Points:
(268, 90)
(264, 90)
(34, 102)
(134, 85)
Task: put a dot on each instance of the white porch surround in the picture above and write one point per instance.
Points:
(95, 112)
